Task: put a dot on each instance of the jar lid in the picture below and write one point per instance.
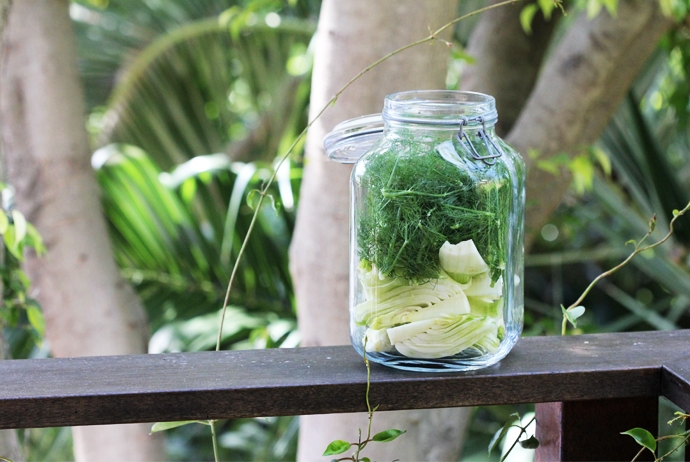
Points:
(349, 140)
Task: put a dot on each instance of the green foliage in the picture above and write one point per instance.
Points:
(20, 314)
(528, 12)
(178, 89)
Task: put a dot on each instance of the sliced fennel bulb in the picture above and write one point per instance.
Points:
(462, 261)
(398, 301)
(441, 317)
(446, 336)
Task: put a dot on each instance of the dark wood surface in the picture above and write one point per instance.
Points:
(186, 386)
(591, 430)
(676, 383)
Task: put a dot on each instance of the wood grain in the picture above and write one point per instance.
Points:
(231, 384)
(591, 430)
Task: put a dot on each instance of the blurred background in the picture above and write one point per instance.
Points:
(190, 102)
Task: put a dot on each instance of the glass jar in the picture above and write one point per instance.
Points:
(437, 226)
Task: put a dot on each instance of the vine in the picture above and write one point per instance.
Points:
(645, 439)
(387, 435)
(570, 315)
(575, 310)
(340, 446)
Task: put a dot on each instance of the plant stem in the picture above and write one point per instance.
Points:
(685, 437)
(214, 439)
(639, 453)
(264, 191)
(523, 430)
(638, 250)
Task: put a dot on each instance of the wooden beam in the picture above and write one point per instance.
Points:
(591, 430)
(676, 382)
(232, 384)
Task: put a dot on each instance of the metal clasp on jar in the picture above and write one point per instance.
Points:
(489, 159)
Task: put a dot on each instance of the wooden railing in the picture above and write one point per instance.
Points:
(589, 387)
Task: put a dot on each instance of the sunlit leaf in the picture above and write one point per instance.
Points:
(35, 239)
(19, 226)
(337, 447)
(253, 198)
(572, 314)
(576, 311)
(547, 7)
(11, 243)
(162, 426)
(611, 6)
(593, 8)
(387, 435)
(582, 170)
(602, 159)
(36, 319)
(527, 15)
(4, 222)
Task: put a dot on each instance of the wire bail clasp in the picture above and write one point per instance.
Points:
(490, 158)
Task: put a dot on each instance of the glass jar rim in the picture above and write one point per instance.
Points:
(351, 139)
(440, 107)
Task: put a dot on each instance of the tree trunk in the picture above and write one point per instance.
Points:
(579, 89)
(89, 309)
(352, 35)
(508, 59)
(9, 442)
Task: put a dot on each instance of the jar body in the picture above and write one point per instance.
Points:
(436, 261)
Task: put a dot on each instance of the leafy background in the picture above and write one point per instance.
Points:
(189, 104)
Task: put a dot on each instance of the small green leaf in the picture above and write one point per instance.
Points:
(583, 172)
(19, 226)
(611, 6)
(498, 436)
(387, 435)
(253, 198)
(337, 447)
(35, 239)
(12, 244)
(460, 54)
(547, 7)
(676, 212)
(571, 314)
(526, 17)
(643, 438)
(576, 311)
(162, 426)
(593, 8)
(530, 443)
(5, 223)
(365, 459)
(652, 223)
(36, 319)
